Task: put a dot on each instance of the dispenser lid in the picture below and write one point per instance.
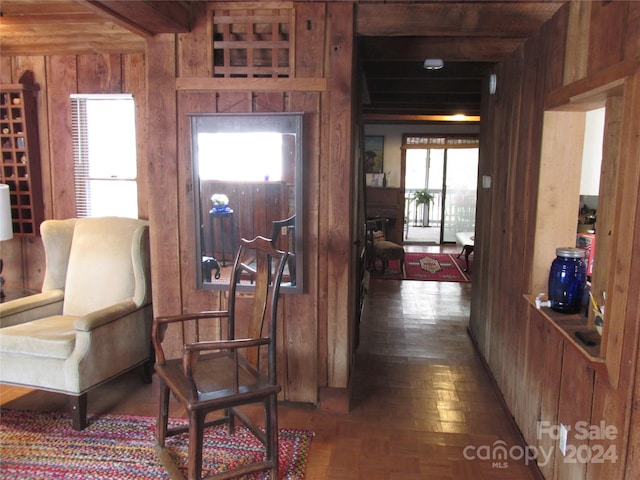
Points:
(570, 252)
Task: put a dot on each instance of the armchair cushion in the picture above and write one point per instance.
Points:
(53, 337)
(31, 308)
(101, 270)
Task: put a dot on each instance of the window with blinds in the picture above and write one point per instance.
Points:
(104, 155)
(427, 141)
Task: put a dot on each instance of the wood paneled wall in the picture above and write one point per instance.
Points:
(173, 77)
(59, 76)
(315, 351)
(541, 375)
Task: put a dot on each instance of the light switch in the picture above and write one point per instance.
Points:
(486, 181)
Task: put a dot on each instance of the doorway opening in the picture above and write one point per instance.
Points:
(440, 186)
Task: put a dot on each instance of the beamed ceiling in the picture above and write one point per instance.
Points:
(394, 38)
(470, 37)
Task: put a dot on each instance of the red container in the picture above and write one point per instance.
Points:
(588, 242)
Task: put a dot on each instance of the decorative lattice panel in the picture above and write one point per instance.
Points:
(253, 42)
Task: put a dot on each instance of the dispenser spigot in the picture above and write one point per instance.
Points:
(542, 303)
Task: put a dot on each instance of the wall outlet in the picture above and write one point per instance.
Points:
(562, 441)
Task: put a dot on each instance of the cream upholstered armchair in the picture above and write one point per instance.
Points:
(92, 320)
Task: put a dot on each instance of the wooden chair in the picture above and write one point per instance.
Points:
(221, 366)
(381, 250)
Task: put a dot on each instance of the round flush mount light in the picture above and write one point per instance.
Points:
(433, 63)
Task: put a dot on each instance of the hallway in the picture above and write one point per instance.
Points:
(424, 390)
(420, 396)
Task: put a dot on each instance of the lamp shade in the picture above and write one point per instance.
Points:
(6, 226)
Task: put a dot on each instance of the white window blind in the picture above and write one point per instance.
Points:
(426, 141)
(104, 155)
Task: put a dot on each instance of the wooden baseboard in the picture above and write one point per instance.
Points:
(533, 465)
(335, 400)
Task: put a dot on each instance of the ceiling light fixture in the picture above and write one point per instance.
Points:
(433, 63)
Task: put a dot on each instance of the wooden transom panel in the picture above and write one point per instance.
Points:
(253, 42)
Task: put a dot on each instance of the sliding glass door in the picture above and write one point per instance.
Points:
(447, 169)
(459, 205)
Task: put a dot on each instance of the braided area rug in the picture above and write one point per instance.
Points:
(37, 445)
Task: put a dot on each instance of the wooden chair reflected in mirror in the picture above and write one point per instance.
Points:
(227, 360)
(283, 236)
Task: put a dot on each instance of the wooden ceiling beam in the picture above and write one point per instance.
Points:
(459, 49)
(488, 19)
(389, 68)
(143, 17)
(428, 98)
(77, 45)
(415, 86)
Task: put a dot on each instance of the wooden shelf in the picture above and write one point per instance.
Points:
(567, 325)
(19, 146)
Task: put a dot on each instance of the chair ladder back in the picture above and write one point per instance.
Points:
(266, 291)
(259, 307)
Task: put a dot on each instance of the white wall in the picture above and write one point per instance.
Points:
(592, 152)
(393, 142)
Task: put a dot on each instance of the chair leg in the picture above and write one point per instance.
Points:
(272, 435)
(79, 411)
(468, 250)
(231, 420)
(196, 432)
(163, 414)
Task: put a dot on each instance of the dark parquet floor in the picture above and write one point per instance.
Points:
(421, 397)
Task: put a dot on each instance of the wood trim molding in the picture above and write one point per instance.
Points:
(252, 84)
(572, 96)
(390, 118)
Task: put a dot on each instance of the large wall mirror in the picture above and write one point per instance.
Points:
(247, 172)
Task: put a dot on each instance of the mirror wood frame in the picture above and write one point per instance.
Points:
(282, 192)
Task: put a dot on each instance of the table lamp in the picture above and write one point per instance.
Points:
(6, 226)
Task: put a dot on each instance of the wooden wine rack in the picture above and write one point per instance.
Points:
(19, 145)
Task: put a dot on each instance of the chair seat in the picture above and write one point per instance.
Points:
(388, 250)
(214, 380)
(52, 337)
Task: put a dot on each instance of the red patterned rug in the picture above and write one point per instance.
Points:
(433, 267)
(36, 445)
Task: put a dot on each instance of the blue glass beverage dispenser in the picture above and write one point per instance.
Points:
(567, 279)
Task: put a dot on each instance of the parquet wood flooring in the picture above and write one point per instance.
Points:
(421, 397)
